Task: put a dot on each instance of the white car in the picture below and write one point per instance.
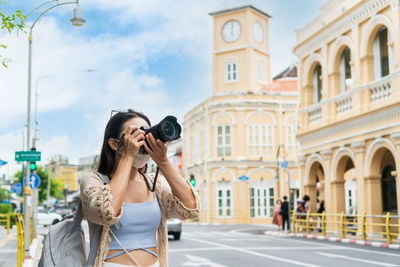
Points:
(174, 227)
(45, 217)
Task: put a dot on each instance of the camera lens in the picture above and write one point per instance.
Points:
(168, 130)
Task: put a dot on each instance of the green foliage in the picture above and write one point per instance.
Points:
(12, 219)
(44, 176)
(5, 208)
(3, 195)
(10, 21)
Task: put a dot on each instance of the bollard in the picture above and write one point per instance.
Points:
(323, 223)
(364, 228)
(388, 229)
(342, 225)
(308, 223)
(8, 223)
(294, 222)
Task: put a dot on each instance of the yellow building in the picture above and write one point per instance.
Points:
(67, 176)
(349, 113)
(231, 139)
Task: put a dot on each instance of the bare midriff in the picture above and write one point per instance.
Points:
(142, 257)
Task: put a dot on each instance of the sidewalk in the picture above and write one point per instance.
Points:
(8, 247)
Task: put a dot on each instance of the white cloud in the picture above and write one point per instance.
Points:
(56, 145)
(123, 80)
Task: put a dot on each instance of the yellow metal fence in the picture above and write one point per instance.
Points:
(6, 218)
(344, 224)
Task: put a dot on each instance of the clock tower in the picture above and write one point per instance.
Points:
(241, 59)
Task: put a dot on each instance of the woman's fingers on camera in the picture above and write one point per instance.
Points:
(151, 140)
(147, 148)
(130, 129)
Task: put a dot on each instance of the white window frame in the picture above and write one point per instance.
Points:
(376, 50)
(350, 195)
(291, 139)
(226, 198)
(316, 89)
(225, 145)
(231, 72)
(254, 145)
(342, 73)
(263, 199)
(260, 71)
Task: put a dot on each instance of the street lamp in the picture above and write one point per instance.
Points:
(77, 20)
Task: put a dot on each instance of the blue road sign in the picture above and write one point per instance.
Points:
(2, 162)
(284, 164)
(34, 181)
(17, 188)
(243, 178)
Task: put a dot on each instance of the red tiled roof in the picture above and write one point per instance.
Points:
(281, 86)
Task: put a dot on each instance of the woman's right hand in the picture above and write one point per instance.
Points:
(131, 142)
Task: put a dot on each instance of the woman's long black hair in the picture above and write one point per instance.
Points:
(113, 130)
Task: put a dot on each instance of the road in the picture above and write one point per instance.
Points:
(245, 245)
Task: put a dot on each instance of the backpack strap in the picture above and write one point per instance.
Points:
(97, 231)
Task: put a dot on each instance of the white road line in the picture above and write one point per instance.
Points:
(376, 263)
(251, 248)
(308, 241)
(254, 253)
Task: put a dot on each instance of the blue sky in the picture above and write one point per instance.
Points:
(153, 56)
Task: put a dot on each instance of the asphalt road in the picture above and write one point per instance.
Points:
(247, 246)
(244, 245)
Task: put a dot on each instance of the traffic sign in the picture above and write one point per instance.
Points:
(284, 164)
(243, 178)
(27, 155)
(17, 188)
(34, 181)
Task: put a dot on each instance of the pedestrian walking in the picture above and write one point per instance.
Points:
(132, 210)
(300, 213)
(277, 218)
(321, 209)
(285, 214)
(307, 203)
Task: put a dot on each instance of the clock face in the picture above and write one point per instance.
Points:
(231, 31)
(258, 32)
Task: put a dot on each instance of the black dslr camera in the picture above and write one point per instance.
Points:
(166, 130)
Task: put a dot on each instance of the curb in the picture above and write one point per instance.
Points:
(35, 251)
(336, 239)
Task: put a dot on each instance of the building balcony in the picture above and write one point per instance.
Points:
(370, 97)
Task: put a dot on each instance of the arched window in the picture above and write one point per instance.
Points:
(345, 70)
(381, 53)
(317, 84)
(389, 196)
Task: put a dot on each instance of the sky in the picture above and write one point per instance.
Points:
(154, 56)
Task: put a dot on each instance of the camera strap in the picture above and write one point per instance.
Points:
(147, 181)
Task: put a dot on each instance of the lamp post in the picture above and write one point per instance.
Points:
(77, 20)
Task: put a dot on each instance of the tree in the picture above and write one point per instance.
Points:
(10, 21)
(44, 176)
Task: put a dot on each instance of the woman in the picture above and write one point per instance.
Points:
(128, 198)
(277, 218)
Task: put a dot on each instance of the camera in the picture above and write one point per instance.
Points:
(166, 130)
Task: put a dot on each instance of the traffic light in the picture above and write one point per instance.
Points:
(192, 180)
(32, 166)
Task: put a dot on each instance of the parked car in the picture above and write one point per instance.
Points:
(45, 217)
(63, 210)
(174, 227)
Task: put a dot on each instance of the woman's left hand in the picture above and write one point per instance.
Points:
(157, 149)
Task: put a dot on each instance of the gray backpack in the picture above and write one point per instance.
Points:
(64, 245)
